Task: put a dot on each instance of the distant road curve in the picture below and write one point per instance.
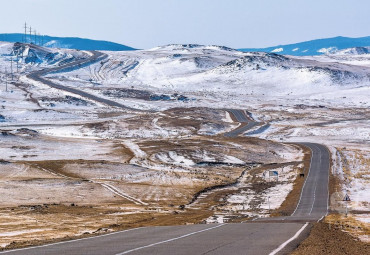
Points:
(96, 56)
(247, 123)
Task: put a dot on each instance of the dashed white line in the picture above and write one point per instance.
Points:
(169, 240)
(314, 198)
(70, 241)
(309, 171)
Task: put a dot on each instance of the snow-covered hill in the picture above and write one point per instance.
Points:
(198, 70)
(316, 47)
(28, 57)
(354, 51)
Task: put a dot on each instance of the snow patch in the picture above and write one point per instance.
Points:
(278, 50)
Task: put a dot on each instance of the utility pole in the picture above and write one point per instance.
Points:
(38, 35)
(6, 80)
(17, 64)
(11, 67)
(25, 32)
(34, 33)
(30, 34)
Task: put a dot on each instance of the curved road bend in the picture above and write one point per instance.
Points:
(96, 56)
(253, 237)
(246, 123)
(314, 200)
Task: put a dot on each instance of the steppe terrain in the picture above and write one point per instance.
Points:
(176, 152)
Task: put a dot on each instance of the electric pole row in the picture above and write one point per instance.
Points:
(31, 36)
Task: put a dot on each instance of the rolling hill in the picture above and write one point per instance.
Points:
(316, 47)
(68, 42)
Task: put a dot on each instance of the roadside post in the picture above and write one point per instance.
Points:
(274, 173)
(346, 199)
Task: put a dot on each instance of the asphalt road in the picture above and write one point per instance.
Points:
(96, 56)
(257, 237)
(194, 239)
(246, 123)
(314, 199)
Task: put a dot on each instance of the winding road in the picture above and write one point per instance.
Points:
(266, 236)
(246, 123)
(96, 56)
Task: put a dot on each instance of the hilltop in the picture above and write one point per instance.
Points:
(69, 42)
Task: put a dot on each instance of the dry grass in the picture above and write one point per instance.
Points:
(53, 221)
(348, 224)
(122, 151)
(57, 166)
(327, 239)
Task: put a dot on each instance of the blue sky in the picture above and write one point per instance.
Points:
(149, 23)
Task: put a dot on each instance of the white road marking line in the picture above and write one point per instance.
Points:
(314, 198)
(314, 192)
(309, 171)
(169, 240)
(70, 241)
(327, 186)
(282, 246)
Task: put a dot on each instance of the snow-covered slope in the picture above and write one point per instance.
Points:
(354, 51)
(192, 67)
(316, 47)
(198, 70)
(28, 57)
(40, 55)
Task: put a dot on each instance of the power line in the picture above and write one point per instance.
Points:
(30, 34)
(6, 80)
(37, 39)
(25, 32)
(11, 67)
(17, 60)
(34, 33)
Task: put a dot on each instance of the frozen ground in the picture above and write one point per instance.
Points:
(67, 149)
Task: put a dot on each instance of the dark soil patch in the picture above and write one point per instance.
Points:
(127, 93)
(261, 186)
(326, 239)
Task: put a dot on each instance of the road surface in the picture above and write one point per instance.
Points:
(96, 56)
(246, 123)
(315, 193)
(267, 236)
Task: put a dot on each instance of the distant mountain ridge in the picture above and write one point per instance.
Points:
(335, 45)
(316, 47)
(69, 42)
